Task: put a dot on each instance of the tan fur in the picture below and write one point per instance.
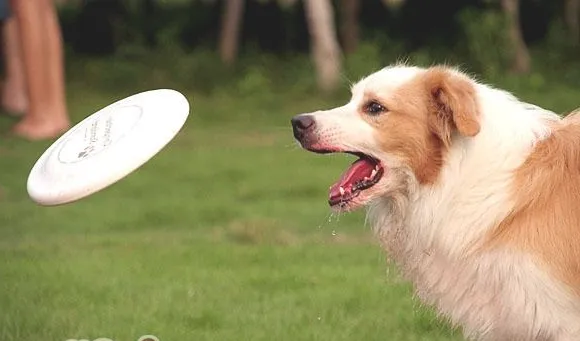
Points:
(453, 103)
(422, 115)
(546, 218)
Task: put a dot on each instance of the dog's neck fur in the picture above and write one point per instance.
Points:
(428, 215)
(429, 231)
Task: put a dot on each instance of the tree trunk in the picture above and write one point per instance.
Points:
(232, 16)
(323, 41)
(149, 10)
(350, 28)
(521, 58)
(572, 9)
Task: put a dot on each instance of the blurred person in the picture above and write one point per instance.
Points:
(14, 97)
(39, 41)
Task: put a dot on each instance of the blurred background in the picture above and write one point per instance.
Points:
(226, 234)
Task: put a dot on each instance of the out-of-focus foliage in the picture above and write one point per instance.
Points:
(486, 43)
(275, 41)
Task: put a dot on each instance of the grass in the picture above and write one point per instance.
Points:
(225, 235)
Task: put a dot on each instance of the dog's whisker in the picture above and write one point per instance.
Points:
(349, 82)
(293, 145)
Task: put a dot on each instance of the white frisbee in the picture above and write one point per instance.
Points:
(107, 146)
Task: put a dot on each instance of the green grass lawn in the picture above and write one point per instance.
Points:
(225, 235)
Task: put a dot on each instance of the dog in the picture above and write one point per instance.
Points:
(472, 192)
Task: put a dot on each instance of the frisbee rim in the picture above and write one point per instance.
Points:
(114, 162)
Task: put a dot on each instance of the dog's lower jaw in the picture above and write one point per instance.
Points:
(386, 216)
(386, 213)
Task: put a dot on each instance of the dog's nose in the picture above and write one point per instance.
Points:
(301, 124)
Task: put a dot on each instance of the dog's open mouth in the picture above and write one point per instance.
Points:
(363, 174)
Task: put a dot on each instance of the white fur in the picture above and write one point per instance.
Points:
(429, 231)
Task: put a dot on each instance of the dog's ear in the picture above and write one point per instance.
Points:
(452, 104)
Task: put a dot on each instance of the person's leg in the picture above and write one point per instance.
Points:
(55, 60)
(14, 95)
(42, 54)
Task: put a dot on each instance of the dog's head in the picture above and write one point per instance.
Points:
(400, 120)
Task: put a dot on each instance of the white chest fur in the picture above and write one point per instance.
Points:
(498, 295)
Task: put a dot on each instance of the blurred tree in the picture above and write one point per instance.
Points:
(233, 12)
(393, 3)
(521, 55)
(286, 3)
(571, 11)
(350, 27)
(99, 26)
(324, 44)
(149, 7)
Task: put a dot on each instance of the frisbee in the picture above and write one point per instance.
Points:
(107, 146)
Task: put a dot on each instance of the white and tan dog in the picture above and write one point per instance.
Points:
(473, 193)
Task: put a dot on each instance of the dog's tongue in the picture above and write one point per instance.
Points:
(360, 169)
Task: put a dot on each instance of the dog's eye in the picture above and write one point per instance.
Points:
(374, 108)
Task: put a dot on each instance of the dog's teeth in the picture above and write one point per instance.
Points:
(341, 190)
(373, 173)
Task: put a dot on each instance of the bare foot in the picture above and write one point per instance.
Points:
(34, 129)
(13, 100)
